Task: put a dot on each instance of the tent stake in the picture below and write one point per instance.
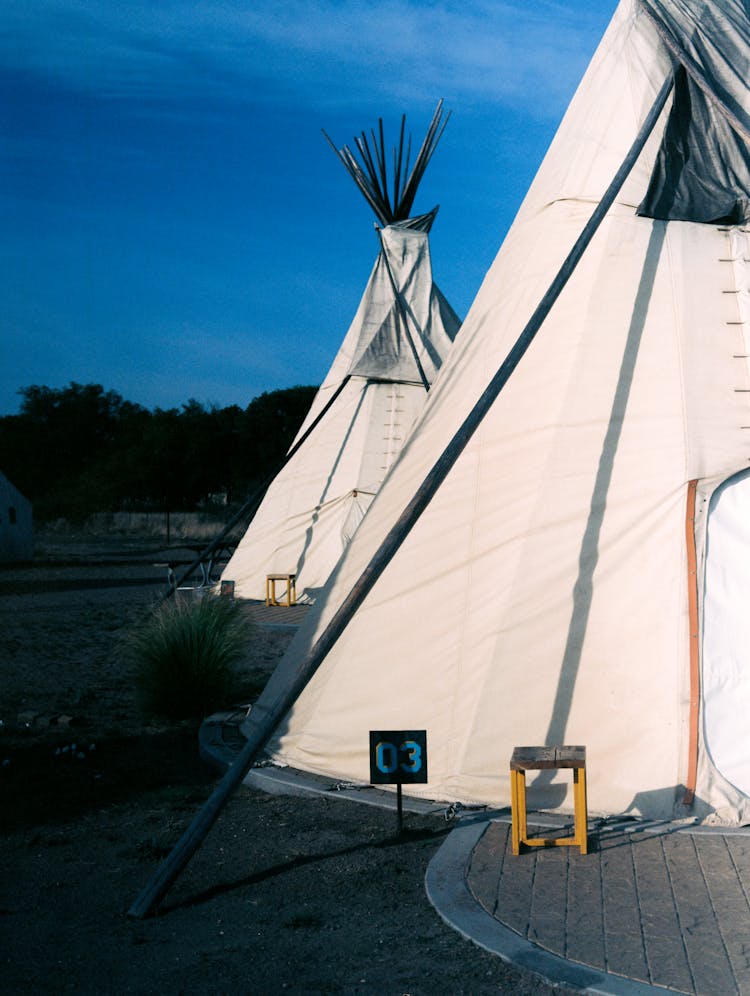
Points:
(262, 723)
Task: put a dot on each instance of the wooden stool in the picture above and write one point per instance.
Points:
(535, 759)
(291, 590)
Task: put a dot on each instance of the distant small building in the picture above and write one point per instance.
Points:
(16, 524)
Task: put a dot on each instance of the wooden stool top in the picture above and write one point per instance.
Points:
(537, 758)
(281, 577)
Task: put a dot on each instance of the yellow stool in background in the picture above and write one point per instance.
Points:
(290, 595)
(539, 758)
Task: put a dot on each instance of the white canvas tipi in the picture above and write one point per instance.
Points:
(367, 403)
(581, 574)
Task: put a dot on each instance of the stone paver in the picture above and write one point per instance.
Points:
(706, 953)
(623, 933)
(660, 906)
(722, 860)
(548, 896)
(665, 951)
(584, 917)
(278, 616)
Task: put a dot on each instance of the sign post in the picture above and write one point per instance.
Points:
(398, 757)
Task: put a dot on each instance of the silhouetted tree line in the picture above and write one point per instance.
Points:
(81, 449)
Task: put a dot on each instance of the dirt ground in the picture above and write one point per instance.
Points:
(286, 894)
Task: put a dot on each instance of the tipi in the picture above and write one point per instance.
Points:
(16, 524)
(582, 573)
(376, 386)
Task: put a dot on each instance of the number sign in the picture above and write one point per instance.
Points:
(398, 757)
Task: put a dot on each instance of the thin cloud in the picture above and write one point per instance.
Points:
(321, 52)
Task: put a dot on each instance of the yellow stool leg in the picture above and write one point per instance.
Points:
(518, 809)
(514, 811)
(523, 831)
(581, 810)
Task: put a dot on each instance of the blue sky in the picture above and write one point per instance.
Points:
(173, 224)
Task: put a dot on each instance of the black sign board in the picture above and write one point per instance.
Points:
(398, 757)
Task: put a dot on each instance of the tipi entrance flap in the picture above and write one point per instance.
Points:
(726, 631)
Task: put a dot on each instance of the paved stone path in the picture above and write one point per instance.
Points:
(278, 615)
(663, 907)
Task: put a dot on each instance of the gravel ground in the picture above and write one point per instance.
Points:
(300, 895)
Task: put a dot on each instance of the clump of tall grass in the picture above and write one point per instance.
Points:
(186, 655)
